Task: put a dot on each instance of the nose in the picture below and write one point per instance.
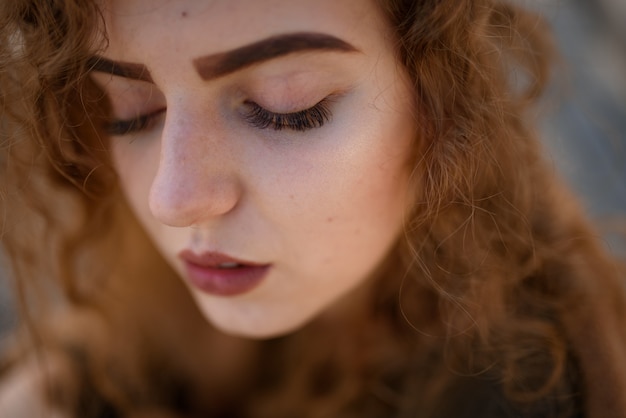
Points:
(197, 178)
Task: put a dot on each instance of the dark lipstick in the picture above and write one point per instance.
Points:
(221, 275)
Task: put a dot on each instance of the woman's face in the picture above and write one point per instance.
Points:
(265, 147)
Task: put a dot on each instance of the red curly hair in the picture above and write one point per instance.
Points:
(498, 291)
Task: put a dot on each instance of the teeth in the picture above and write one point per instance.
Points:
(230, 265)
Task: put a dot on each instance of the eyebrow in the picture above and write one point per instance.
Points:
(121, 69)
(218, 65)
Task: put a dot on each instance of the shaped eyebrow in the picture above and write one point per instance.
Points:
(218, 65)
(121, 69)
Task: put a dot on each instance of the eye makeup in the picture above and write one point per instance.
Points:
(291, 95)
(120, 127)
(300, 121)
(257, 116)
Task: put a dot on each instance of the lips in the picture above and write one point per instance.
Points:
(221, 275)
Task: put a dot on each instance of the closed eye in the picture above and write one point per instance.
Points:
(259, 117)
(300, 121)
(121, 127)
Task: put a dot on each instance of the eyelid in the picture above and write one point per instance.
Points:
(300, 121)
(126, 96)
(121, 127)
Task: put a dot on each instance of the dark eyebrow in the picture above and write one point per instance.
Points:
(217, 65)
(121, 69)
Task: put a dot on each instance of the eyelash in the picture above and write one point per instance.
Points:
(301, 121)
(120, 127)
(259, 117)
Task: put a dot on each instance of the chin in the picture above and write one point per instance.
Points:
(256, 332)
(254, 327)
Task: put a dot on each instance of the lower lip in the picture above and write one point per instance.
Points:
(225, 282)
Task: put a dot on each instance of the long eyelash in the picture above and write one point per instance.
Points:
(303, 120)
(125, 127)
(129, 126)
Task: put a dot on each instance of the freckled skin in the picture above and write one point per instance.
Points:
(323, 206)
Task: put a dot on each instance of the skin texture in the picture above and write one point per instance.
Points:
(323, 207)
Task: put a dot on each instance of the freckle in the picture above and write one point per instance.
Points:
(183, 14)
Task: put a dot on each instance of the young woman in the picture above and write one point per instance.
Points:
(289, 208)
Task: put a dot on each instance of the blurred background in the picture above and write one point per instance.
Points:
(583, 121)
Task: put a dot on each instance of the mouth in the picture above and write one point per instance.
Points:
(221, 275)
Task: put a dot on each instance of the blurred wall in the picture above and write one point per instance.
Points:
(584, 123)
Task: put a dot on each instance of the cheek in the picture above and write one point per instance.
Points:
(136, 164)
(348, 201)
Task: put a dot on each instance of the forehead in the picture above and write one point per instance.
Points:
(142, 27)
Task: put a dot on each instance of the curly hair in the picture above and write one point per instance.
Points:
(497, 282)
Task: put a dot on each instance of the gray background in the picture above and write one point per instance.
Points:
(584, 122)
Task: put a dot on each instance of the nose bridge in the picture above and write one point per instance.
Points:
(197, 178)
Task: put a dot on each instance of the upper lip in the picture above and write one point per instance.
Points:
(212, 259)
